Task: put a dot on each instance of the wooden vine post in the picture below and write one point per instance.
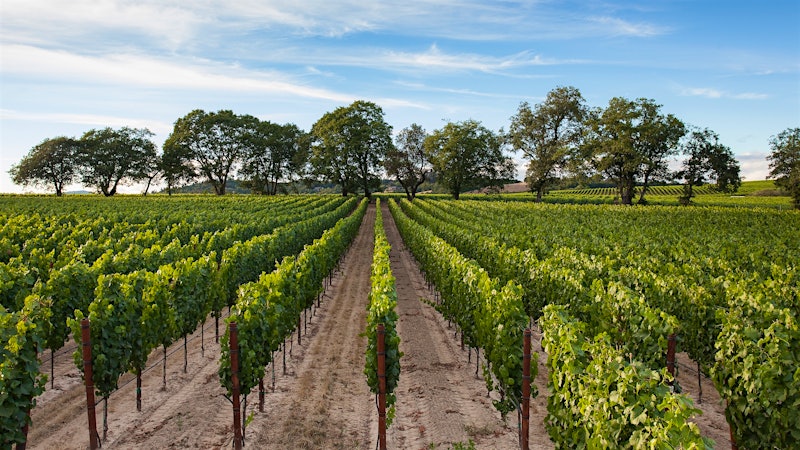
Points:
(87, 375)
(526, 391)
(237, 418)
(730, 427)
(671, 341)
(381, 386)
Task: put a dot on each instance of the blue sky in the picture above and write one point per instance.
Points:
(67, 67)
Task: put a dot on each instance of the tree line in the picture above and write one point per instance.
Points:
(629, 142)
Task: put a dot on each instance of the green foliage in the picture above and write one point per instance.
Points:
(349, 146)
(631, 139)
(757, 368)
(784, 162)
(20, 379)
(277, 153)
(467, 155)
(638, 286)
(599, 399)
(109, 157)
(407, 162)
(549, 135)
(114, 316)
(381, 310)
(209, 145)
(68, 289)
(53, 162)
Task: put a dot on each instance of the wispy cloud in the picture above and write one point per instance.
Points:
(470, 92)
(434, 58)
(141, 70)
(614, 26)
(431, 60)
(718, 94)
(51, 22)
(177, 24)
(90, 120)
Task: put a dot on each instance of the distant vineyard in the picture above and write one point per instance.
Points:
(673, 190)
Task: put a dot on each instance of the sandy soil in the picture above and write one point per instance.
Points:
(322, 400)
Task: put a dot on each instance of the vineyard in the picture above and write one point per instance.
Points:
(607, 290)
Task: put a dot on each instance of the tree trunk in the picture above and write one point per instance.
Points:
(644, 189)
(627, 193)
(147, 188)
(539, 194)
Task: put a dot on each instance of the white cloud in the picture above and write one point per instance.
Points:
(470, 92)
(53, 22)
(716, 94)
(139, 70)
(181, 24)
(614, 26)
(434, 58)
(92, 120)
(754, 166)
(431, 60)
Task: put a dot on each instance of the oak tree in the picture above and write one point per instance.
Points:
(276, 153)
(784, 162)
(706, 158)
(407, 161)
(631, 140)
(467, 154)
(210, 144)
(111, 157)
(53, 162)
(349, 145)
(548, 135)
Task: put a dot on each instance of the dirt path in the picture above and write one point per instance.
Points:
(325, 401)
(440, 400)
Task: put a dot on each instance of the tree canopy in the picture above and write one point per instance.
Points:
(466, 154)
(784, 162)
(349, 145)
(209, 144)
(407, 161)
(706, 158)
(51, 163)
(548, 135)
(631, 140)
(110, 157)
(276, 153)
(629, 143)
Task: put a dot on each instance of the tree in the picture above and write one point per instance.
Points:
(548, 135)
(407, 161)
(111, 157)
(176, 164)
(210, 144)
(349, 146)
(150, 168)
(657, 139)
(706, 158)
(784, 162)
(51, 163)
(467, 154)
(630, 140)
(276, 153)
